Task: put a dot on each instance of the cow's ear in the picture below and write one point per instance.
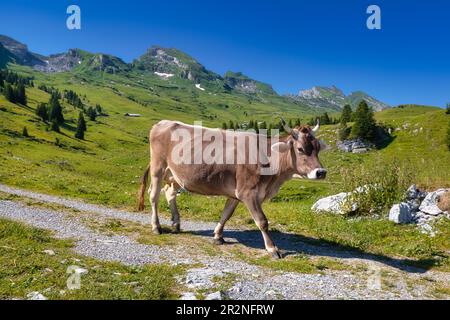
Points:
(323, 146)
(281, 147)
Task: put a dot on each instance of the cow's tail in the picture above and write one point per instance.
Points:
(142, 189)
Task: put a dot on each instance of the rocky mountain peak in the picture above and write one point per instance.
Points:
(242, 83)
(334, 98)
(20, 51)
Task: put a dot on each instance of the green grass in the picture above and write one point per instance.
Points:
(25, 268)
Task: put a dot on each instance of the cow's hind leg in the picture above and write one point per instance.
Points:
(254, 206)
(171, 196)
(228, 211)
(157, 172)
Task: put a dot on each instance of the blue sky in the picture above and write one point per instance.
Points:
(290, 44)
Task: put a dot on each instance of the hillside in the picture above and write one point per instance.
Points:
(172, 73)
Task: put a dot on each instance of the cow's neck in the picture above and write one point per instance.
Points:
(286, 163)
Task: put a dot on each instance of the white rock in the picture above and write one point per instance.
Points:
(359, 150)
(49, 252)
(214, 296)
(36, 296)
(80, 270)
(401, 213)
(333, 204)
(188, 296)
(429, 204)
(427, 229)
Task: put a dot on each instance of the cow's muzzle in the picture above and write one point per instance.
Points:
(319, 173)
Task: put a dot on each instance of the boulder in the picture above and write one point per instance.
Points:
(401, 213)
(214, 296)
(360, 150)
(355, 144)
(188, 296)
(332, 204)
(35, 295)
(429, 204)
(414, 193)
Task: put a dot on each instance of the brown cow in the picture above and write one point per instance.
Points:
(245, 181)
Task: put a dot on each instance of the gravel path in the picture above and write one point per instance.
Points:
(252, 282)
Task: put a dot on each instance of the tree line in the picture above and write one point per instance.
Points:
(52, 112)
(12, 86)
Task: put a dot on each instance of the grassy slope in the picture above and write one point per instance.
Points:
(106, 167)
(26, 268)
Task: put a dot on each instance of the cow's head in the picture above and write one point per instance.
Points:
(304, 149)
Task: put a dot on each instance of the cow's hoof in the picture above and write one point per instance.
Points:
(276, 255)
(219, 241)
(157, 231)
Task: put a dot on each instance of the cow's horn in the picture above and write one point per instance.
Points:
(316, 128)
(288, 129)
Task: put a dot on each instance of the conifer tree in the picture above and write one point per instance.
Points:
(21, 96)
(346, 115)
(55, 110)
(81, 127)
(364, 123)
(42, 112)
(9, 93)
(25, 132)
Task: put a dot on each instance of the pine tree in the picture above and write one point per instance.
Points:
(224, 126)
(21, 95)
(54, 126)
(91, 114)
(325, 119)
(98, 109)
(9, 93)
(364, 123)
(448, 108)
(298, 123)
(55, 113)
(42, 112)
(82, 122)
(343, 131)
(81, 127)
(346, 115)
(25, 132)
(231, 125)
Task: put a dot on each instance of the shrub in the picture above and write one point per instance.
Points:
(378, 186)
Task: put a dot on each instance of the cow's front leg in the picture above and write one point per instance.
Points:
(254, 206)
(154, 191)
(227, 212)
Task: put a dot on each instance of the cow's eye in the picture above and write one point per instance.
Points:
(301, 151)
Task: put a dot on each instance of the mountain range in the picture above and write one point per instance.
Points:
(170, 65)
